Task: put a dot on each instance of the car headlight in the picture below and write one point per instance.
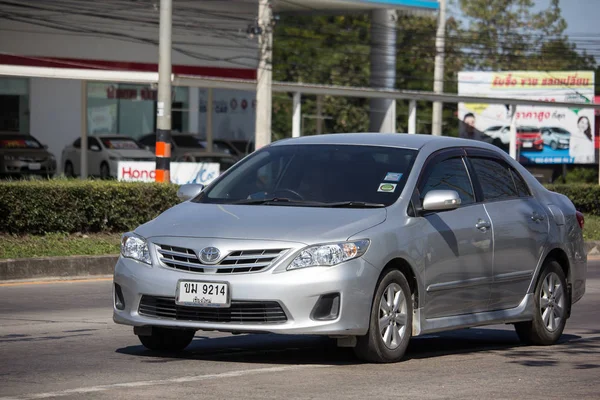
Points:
(327, 255)
(136, 248)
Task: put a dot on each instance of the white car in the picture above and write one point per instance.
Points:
(104, 154)
(501, 132)
(556, 137)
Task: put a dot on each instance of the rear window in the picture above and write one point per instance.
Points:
(318, 174)
(19, 142)
(120, 144)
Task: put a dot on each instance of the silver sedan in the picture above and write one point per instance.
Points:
(367, 238)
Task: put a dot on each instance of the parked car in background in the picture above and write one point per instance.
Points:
(104, 154)
(23, 155)
(183, 142)
(500, 132)
(367, 238)
(225, 161)
(529, 138)
(556, 137)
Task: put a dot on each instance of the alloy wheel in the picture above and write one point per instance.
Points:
(552, 302)
(392, 316)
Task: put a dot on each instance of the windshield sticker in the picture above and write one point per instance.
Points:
(387, 187)
(393, 177)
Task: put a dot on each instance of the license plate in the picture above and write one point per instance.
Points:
(527, 144)
(35, 166)
(203, 294)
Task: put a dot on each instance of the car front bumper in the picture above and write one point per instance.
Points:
(297, 292)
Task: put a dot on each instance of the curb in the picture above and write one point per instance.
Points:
(57, 267)
(97, 266)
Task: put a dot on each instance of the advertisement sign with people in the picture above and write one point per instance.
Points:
(545, 135)
(181, 173)
(234, 114)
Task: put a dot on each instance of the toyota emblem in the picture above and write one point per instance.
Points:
(209, 255)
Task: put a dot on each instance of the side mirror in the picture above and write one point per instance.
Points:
(94, 148)
(187, 192)
(441, 200)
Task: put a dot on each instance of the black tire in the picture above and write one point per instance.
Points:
(164, 339)
(69, 171)
(553, 145)
(372, 347)
(538, 332)
(104, 171)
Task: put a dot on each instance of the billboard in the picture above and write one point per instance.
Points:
(545, 135)
(181, 173)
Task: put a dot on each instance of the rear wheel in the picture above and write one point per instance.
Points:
(69, 172)
(390, 325)
(551, 304)
(104, 171)
(164, 339)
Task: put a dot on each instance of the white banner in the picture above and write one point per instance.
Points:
(181, 173)
(545, 135)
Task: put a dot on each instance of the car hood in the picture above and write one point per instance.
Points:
(132, 153)
(282, 223)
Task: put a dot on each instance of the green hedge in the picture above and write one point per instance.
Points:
(108, 206)
(80, 206)
(585, 197)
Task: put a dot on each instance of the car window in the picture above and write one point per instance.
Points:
(19, 141)
(120, 143)
(93, 142)
(495, 179)
(522, 188)
(187, 141)
(449, 174)
(317, 174)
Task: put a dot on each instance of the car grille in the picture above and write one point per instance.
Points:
(32, 159)
(242, 312)
(236, 262)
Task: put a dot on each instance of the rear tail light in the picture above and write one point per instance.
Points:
(580, 219)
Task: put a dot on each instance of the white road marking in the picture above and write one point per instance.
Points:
(183, 379)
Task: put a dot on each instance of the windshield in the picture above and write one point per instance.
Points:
(315, 175)
(19, 142)
(120, 144)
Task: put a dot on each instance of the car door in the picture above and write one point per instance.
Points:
(74, 156)
(94, 156)
(458, 257)
(520, 227)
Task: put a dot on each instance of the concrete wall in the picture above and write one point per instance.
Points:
(55, 113)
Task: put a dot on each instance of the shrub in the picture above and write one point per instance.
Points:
(586, 198)
(80, 206)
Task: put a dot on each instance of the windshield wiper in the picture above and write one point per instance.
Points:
(353, 204)
(263, 201)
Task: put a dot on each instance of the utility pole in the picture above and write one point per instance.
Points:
(163, 107)
(264, 75)
(438, 75)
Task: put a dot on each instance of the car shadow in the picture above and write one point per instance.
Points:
(299, 349)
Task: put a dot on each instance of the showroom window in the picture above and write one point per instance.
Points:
(14, 105)
(131, 109)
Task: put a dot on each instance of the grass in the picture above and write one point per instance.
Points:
(591, 229)
(58, 244)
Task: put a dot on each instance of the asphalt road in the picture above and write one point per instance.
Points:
(58, 340)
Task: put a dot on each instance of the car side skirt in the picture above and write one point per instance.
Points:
(523, 312)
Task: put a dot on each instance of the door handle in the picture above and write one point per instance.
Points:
(483, 225)
(535, 217)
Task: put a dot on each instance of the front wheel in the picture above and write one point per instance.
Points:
(163, 339)
(104, 171)
(551, 304)
(390, 325)
(554, 145)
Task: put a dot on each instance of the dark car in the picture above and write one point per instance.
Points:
(23, 155)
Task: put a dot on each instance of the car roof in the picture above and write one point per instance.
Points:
(400, 140)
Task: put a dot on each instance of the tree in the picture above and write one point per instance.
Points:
(508, 35)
